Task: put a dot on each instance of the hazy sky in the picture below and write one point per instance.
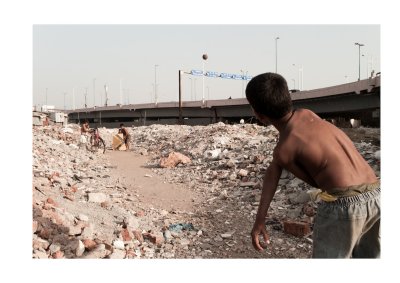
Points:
(69, 60)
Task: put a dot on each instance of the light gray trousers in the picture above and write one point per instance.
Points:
(348, 227)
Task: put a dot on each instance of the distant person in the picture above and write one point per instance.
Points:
(85, 129)
(125, 134)
(348, 216)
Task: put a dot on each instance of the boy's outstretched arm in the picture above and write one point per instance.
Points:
(270, 184)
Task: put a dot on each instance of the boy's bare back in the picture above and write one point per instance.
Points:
(321, 154)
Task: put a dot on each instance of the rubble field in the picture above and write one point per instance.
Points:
(85, 206)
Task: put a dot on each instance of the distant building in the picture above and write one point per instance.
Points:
(48, 108)
(39, 119)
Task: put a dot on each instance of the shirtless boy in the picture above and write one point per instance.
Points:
(84, 131)
(348, 216)
(125, 134)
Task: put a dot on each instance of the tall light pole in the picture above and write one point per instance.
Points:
(85, 98)
(106, 88)
(73, 98)
(243, 81)
(46, 96)
(191, 88)
(359, 58)
(205, 57)
(155, 84)
(120, 91)
(367, 63)
(195, 92)
(64, 99)
(294, 83)
(94, 92)
(276, 54)
(300, 78)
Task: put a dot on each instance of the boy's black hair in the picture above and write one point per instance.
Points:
(121, 124)
(268, 94)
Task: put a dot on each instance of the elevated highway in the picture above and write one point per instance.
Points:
(357, 100)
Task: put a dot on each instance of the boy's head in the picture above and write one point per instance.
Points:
(268, 94)
(121, 125)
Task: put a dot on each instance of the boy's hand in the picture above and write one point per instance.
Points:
(259, 228)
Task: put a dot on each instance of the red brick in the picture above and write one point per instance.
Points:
(74, 189)
(58, 254)
(298, 229)
(105, 204)
(89, 244)
(44, 233)
(155, 239)
(138, 235)
(126, 236)
(51, 201)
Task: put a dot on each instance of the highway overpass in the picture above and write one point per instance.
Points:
(357, 100)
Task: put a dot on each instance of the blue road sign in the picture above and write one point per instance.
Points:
(212, 74)
(196, 72)
(225, 76)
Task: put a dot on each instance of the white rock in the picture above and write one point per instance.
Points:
(54, 248)
(118, 244)
(226, 236)
(83, 217)
(80, 249)
(97, 197)
(118, 254)
(212, 154)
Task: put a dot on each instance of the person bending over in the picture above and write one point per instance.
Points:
(348, 216)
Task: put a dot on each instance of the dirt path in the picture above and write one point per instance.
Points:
(153, 191)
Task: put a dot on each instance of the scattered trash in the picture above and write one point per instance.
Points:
(181, 226)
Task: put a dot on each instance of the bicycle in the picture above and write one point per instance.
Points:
(95, 141)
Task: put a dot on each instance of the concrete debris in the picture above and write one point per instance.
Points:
(173, 159)
(80, 210)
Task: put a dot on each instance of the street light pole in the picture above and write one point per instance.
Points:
(359, 58)
(155, 84)
(85, 98)
(243, 81)
(300, 76)
(191, 88)
(46, 96)
(205, 57)
(120, 91)
(195, 91)
(64, 99)
(73, 98)
(276, 54)
(94, 92)
(105, 88)
(294, 83)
